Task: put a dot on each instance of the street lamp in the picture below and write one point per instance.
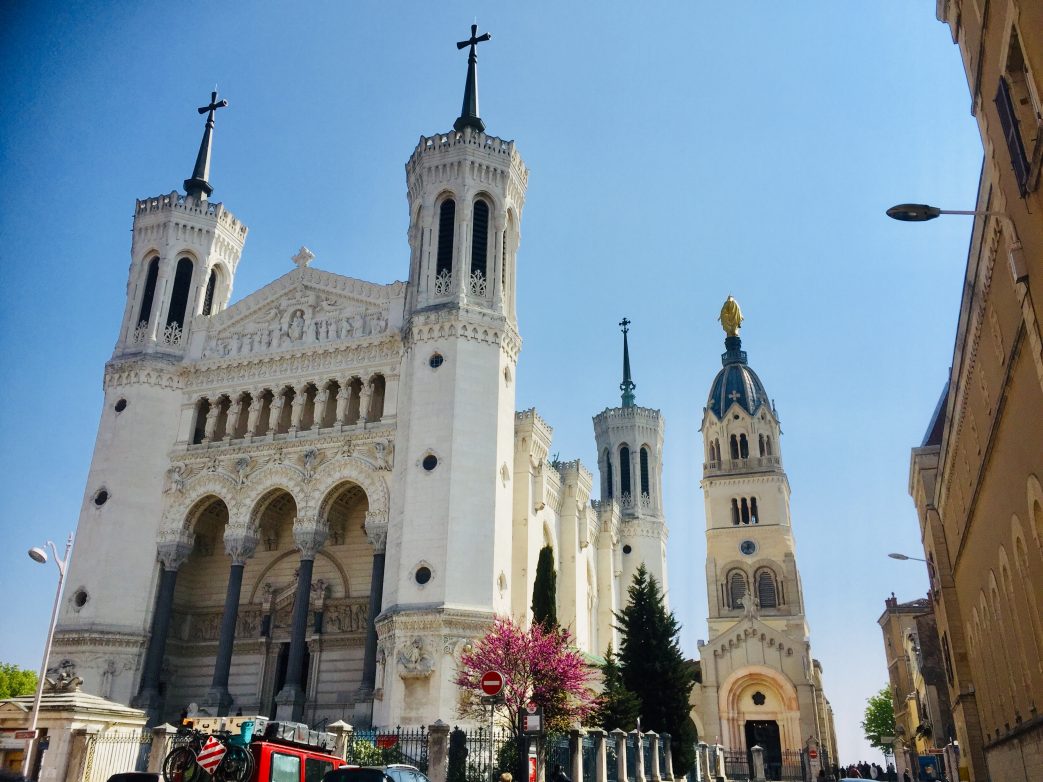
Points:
(38, 554)
(921, 213)
(904, 557)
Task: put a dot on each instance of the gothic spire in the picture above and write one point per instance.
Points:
(198, 185)
(628, 385)
(469, 112)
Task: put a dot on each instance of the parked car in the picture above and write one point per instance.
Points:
(396, 772)
(136, 776)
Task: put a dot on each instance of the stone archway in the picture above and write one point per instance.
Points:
(759, 695)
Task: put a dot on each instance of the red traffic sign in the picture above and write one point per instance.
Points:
(812, 753)
(492, 682)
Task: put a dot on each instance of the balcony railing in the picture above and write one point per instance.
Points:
(752, 463)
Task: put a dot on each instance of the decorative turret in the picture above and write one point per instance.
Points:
(184, 254)
(466, 191)
(630, 447)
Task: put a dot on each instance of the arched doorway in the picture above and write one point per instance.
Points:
(759, 707)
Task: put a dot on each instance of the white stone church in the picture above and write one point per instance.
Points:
(306, 503)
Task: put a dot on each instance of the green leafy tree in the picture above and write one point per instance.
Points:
(545, 590)
(879, 721)
(15, 681)
(653, 668)
(619, 707)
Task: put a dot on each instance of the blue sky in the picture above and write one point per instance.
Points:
(679, 152)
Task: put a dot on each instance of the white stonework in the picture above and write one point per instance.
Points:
(350, 424)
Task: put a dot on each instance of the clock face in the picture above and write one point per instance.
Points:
(747, 547)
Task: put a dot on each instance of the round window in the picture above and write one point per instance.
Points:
(120, 406)
(747, 547)
(101, 498)
(627, 549)
(435, 361)
(430, 462)
(80, 598)
(422, 575)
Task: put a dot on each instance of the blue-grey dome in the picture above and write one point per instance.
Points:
(736, 382)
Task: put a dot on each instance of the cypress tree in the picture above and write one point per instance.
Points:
(653, 668)
(545, 590)
(619, 708)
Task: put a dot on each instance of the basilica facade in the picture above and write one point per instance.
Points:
(307, 503)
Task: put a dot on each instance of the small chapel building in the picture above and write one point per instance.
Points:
(307, 503)
(760, 685)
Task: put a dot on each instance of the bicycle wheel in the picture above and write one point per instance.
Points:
(180, 766)
(236, 766)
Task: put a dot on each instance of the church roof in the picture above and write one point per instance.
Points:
(736, 382)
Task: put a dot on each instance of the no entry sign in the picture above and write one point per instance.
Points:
(492, 682)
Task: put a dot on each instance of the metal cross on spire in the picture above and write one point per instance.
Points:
(469, 112)
(628, 385)
(198, 185)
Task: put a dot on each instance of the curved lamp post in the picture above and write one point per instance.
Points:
(921, 213)
(39, 554)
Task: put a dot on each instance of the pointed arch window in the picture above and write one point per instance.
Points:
(744, 447)
(755, 516)
(736, 588)
(767, 593)
(179, 293)
(767, 444)
(608, 475)
(745, 511)
(211, 288)
(735, 447)
(145, 314)
(624, 471)
(479, 238)
(446, 226)
(644, 472)
(735, 512)
(760, 443)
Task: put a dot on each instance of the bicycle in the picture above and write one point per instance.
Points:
(180, 764)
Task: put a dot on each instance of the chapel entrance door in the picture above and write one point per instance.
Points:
(765, 733)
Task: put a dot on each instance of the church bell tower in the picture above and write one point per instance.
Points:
(448, 557)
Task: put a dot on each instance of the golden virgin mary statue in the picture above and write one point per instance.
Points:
(731, 317)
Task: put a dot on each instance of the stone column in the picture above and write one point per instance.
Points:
(343, 732)
(173, 551)
(668, 772)
(620, 737)
(377, 532)
(322, 396)
(576, 754)
(300, 395)
(256, 403)
(78, 749)
(600, 755)
(639, 749)
(162, 743)
(719, 771)
(240, 544)
(391, 382)
(343, 394)
(308, 536)
(365, 394)
(653, 739)
(702, 763)
(234, 412)
(211, 419)
(758, 763)
(438, 751)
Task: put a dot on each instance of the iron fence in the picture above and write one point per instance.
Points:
(632, 748)
(557, 753)
(789, 768)
(611, 761)
(116, 751)
(588, 748)
(383, 747)
(737, 764)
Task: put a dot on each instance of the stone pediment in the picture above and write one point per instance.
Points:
(752, 630)
(304, 308)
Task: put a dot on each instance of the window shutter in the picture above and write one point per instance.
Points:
(1009, 125)
(766, 590)
(737, 588)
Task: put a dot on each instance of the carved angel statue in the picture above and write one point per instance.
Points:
(731, 317)
(176, 478)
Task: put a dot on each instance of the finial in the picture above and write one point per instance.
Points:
(628, 385)
(731, 317)
(198, 185)
(469, 112)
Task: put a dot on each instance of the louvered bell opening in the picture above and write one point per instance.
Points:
(480, 238)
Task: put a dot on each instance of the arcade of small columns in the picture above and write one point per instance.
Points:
(311, 404)
(275, 502)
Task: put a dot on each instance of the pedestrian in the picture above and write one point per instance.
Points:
(906, 777)
(506, 776)
(559, 775)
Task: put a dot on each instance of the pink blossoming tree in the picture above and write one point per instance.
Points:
(538, 665)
